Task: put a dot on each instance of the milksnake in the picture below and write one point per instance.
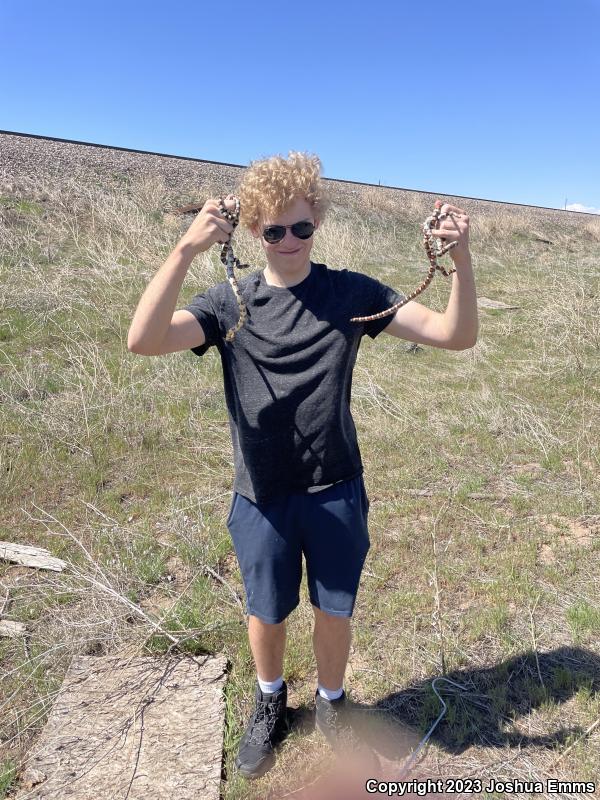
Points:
(230, 261)
(434, 249)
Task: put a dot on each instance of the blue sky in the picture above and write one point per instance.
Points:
(480, 99)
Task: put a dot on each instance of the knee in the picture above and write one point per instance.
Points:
(330, 620)
(257, 623)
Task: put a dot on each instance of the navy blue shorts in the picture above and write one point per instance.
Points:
(329, 527)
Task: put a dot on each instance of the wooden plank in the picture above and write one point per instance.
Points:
(29, 556)
(9, 627)
(485, 302)
(132, 728)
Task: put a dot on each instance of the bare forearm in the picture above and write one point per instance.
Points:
(461, 313)
(156, 306)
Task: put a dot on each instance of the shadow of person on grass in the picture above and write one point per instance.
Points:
(493, 699)
(483, 712)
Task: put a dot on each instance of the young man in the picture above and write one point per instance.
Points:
(298, 484)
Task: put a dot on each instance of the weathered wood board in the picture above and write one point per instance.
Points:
(138, 727)
(485, 302)
(30, 556)
(12, 628)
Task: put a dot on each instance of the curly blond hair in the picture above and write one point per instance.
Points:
(270, 185)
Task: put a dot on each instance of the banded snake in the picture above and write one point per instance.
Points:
(229, 260)
(433, 247)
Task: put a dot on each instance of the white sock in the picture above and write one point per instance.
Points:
(330, 694)
(268, 687)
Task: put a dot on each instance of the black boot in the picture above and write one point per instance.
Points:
(265, 729)
(336, 721)
(332, 718)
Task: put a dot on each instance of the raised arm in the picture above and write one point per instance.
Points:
(155, 329)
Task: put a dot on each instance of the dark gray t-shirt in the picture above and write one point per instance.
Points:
(288, 373)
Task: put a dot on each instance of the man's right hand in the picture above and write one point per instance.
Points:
(209, 227)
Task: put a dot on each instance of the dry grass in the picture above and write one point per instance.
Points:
(122, 466)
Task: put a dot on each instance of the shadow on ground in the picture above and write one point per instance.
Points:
(484, 711)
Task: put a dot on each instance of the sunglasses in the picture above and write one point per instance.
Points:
(301, 230)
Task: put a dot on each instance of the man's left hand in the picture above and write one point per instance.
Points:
(455, 229)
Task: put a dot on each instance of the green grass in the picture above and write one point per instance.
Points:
(8, 774)
(583, 619)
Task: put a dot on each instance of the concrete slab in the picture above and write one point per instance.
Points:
(138, 727)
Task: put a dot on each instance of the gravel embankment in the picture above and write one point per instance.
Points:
(27, 163)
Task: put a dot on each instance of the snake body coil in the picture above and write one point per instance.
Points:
(230, 261)
(434, 249)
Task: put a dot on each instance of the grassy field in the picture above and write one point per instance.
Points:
(482, 467)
